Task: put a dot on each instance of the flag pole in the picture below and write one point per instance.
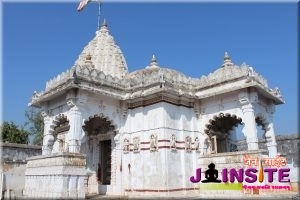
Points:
(99, 13)
(83, 4)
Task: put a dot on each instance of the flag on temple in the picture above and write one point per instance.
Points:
(82, 4)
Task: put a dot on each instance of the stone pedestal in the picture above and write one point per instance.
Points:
(56, 176)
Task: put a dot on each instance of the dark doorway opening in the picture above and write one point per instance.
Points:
(104, 170)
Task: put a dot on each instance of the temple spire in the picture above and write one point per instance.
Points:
(104, 54)
(104, 23)
(227, 60)
(153, 63)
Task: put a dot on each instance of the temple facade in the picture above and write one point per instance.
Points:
(111, 131)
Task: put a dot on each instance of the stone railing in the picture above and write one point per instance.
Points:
(260, 79)
(93, 74)
(59, 79)
(159, 75)
(222, 75)
(146, 79)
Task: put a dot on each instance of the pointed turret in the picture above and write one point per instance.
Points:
(227, 60)
(105, 55)
(104, 23)
(153, 63)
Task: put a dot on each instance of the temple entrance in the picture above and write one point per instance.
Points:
(222, 132)
(99, 136)
(104, 171)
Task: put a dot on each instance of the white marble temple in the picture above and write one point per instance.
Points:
(123, 123)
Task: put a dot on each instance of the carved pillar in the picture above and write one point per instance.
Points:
(75, 131)
(117, 167)
(95, 154)
(249, 130)
(48, 135)
(270, 134)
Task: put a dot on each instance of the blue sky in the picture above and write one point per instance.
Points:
(41, 40)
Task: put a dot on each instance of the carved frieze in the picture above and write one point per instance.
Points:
(150, 82)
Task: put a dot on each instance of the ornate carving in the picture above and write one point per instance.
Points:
(136, 144)
(126, 145)
(208, 144)
(44, 114)
(36, 95)
(197, 144)
(161, 79)
(153, 143)
(101, 106)
(70, 103)
(188, 143)
(173, 142)
(276, 92)
(105, 54)
(59, 79)
(98, 125)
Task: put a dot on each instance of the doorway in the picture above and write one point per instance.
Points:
(104, 168)
(100, 133)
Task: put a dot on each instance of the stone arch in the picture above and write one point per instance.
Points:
(268, 135)
(59, 124)
(56, 121)
(263, 123)
(109, 124)
(219, 130)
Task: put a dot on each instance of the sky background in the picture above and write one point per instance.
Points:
(41, 40)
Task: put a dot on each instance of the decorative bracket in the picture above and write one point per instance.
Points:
(70, 103)
(244, 101)
(124, 108)
(44, 114)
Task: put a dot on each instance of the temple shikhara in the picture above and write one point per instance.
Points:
(111, 131)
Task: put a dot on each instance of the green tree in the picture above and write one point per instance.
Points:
(35, 125)
(13, 134)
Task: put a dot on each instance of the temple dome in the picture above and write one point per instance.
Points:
(153, 68)
(104, 54)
